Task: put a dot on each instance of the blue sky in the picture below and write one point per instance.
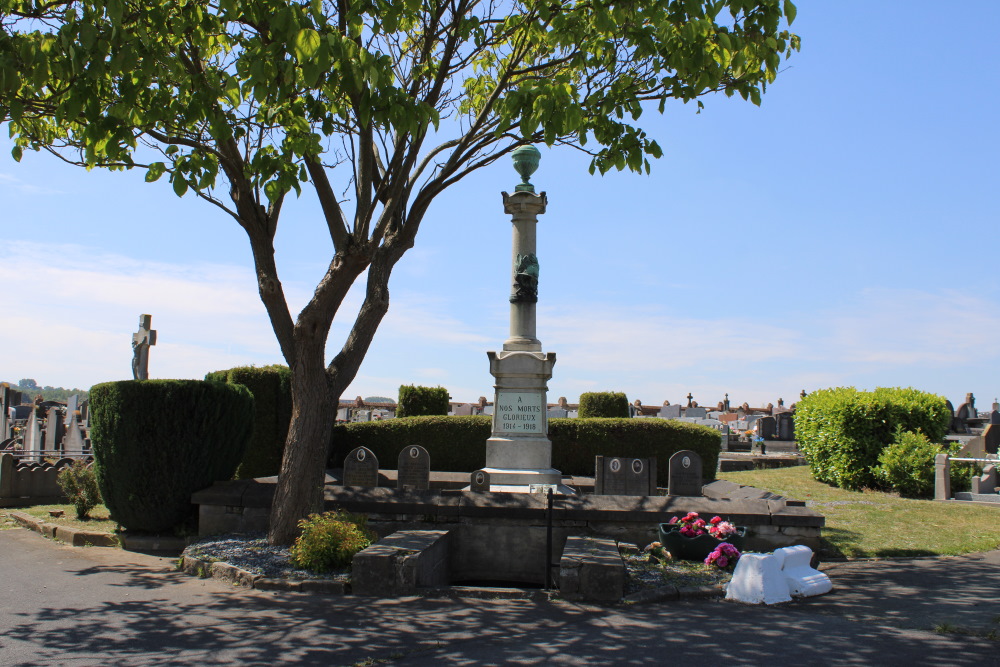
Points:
(840, 234)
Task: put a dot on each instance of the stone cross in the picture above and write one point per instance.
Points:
(141, 340)
(689, 397)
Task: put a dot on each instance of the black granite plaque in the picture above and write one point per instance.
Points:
(685, 474)
(621, 476)
(361, 468)
(480, 481)
(413, 468)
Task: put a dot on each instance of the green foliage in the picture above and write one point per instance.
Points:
(458, 444)
(843, 431)
(47, 393)
(416, 401)
(272, 405)
(158, 441)
(907, 465)
(329, 541)
(79, 484)
(603, 404)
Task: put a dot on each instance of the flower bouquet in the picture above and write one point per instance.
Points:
(723, 557)
(692, 538)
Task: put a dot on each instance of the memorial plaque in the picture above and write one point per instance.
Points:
(361, 468)
(622, 476)
(685, 474)
(519, 412)
(480, 481)
(413, 468)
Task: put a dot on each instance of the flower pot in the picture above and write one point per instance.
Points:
(698, 547)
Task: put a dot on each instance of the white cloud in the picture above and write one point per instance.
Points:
(8, 182)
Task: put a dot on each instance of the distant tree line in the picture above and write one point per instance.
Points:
(30, 389)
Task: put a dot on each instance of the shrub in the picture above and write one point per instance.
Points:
(272, 406)
(79, 484)
(158, 441)
(843, 431)
(458, 444)
(603, 404)
(907, 465)
(415, 401)
(329, 541)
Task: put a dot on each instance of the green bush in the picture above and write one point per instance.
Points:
(907, 465)
(272, 405)
(158, 441)
(458, 444)
(843, 431)
(329, 541)
(79, 484)
(603, 405)
(415, 401)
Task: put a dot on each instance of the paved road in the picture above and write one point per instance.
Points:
(69, 606)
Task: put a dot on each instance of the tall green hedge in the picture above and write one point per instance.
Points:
(158, 441)
(843, 431)
(272, 403)
(416, 401)
(603, 404)
(458, 444)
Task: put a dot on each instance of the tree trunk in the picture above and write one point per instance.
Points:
(300, 482)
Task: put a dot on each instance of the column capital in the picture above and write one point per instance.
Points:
(524, 204)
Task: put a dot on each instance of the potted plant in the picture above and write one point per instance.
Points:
(692, 538)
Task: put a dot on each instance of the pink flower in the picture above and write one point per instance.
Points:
(715, 520)
(722, 561)
(673, 520)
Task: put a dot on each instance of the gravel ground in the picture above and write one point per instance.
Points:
(252, 553)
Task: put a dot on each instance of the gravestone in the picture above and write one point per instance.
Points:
(621, 476)
(685, 474)
(995, 417)
(697, 413)
(670, 412)
(480, 482)
(786, 426)
(413, 469)
(987, 482)
(361, 468)
(991, 438)
(55, 428)
(32, 437)
(74, 441)
(4, 411)
(766, 427)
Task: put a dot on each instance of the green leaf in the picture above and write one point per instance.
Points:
(790, 11)
(180, 185)
(306, 45)
(15, 153)
(154, 171)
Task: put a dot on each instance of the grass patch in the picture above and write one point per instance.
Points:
(872, 524)
(99, 521)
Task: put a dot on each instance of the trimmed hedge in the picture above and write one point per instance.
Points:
(843, 431)
(158, 441)
(416, 401)
(271, 387)
(458, 444)
(603, 405)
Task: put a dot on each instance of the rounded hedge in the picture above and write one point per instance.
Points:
(271, 387)
(603, 405)
(458, 444)
(158, 441)
(843, 431)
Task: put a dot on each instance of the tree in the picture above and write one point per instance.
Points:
(243, 101)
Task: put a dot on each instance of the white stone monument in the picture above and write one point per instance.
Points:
(519, 452)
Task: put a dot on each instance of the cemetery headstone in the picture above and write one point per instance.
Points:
(4, 411)
(697, 413)
(766, 428)
(480, 482)
(670, 412)
(684, 474)
(991, 438)
(995, 417)
(55, 428)
(413, 469)
(74, 442)
(33, 437)
(621, 476)
(786, 426)
(361, 468)
(558, 413)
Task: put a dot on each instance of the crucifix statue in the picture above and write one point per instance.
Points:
(141, 340)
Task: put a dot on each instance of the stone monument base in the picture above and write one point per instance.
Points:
(521, 480)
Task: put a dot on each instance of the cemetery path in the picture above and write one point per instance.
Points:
(95, 606)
